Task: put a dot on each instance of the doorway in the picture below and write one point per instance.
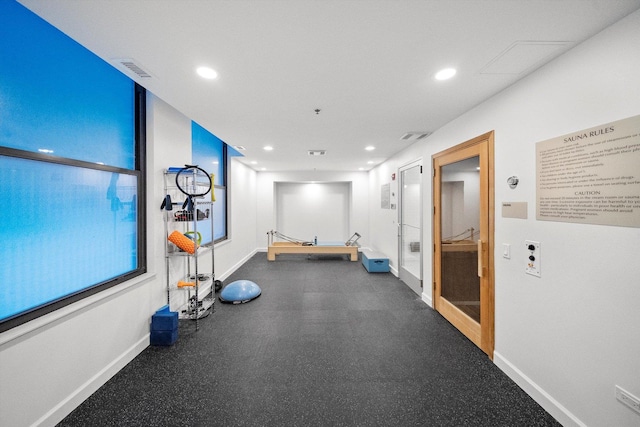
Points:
(410, 226)
(463, 228)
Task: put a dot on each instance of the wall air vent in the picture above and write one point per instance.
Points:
(415, 136)
(317, 152)
(131, 65)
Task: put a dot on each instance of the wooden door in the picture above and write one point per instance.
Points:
(463, 238)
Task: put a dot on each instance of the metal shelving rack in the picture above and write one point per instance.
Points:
(200, 297)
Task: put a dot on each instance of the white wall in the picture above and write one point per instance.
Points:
(266, 200)
(306, 211)
(569, 336)
(50, 365)
(241, 227)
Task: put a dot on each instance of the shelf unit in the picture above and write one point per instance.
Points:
(196, 300)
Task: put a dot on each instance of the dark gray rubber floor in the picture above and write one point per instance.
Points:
(326, 344)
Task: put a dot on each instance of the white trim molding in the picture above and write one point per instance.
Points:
(544, 399)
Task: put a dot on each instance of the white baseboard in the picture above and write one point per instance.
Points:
(394, 271)
(71, 402)
(544, 399)
(236, 266)
(427, 299)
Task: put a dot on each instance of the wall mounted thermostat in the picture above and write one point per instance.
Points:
(533, 258)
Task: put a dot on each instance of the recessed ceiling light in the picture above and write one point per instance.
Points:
(263, 169)
(370, 148)
(445, 74)
(267, 148)
(370, 162)
(360, 169)
(253, 162)
(207, 73)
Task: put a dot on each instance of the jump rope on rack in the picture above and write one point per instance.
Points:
(193, 182)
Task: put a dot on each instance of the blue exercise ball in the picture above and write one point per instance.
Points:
(240, 291)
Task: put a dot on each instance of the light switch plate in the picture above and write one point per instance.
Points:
(506, 250)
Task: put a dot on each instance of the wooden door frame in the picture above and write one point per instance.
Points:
(486, 339)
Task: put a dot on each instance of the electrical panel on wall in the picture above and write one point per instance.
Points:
(533, 258)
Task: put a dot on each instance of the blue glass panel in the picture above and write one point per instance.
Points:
(64, 229)
(56, 95)
(220, 214)
(207, 152)
(219, 218)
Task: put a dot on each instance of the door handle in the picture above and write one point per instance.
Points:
(480, 264)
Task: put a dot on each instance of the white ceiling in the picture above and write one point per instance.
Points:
(368, 65)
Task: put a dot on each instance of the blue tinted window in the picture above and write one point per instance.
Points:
(57, 96)
(66, 228)
(219, 219)
(220, 214)
(208, 152)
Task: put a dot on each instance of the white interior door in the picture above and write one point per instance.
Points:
(410, 222)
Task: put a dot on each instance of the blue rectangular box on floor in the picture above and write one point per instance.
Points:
(164, 327)
(375, 262)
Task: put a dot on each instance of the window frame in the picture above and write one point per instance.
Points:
(139, 171)
(224, 187)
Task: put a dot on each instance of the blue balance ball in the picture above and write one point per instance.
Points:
(240, 291)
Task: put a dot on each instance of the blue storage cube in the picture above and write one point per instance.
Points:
(164, 337)
(375, 262)
(164, 320)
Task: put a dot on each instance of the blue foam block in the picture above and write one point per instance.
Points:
(164, 320)
(240, 291)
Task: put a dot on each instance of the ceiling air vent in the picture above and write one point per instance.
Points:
(523, 56)
(317, 152)
(132, 66)
(415, 136)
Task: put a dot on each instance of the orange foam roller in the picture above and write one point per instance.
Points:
(182, 241)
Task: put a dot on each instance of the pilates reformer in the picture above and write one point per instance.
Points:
(290, 245)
